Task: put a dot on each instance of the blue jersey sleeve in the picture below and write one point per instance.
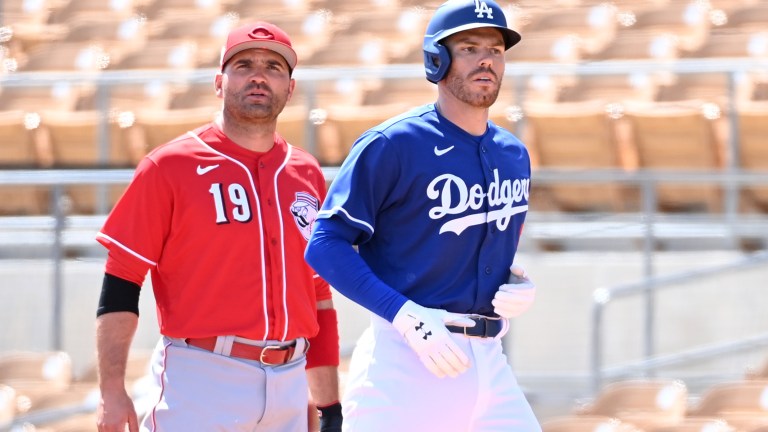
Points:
(331, 254)
(364, 185)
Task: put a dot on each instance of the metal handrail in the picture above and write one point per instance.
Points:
(648, 287)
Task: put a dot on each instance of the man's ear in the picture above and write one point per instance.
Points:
(291, 87)
(217, 84)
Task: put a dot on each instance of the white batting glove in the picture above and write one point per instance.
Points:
(516, 296)
(424, 330)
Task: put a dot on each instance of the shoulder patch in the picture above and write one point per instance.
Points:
(304, 210)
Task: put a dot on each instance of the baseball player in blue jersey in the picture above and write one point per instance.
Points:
(435, 201)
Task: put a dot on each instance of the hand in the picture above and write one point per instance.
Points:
(424, 330)
(330, 418)
(115, 411)
(516, 296)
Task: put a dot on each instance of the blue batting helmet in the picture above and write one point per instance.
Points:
(455, 16)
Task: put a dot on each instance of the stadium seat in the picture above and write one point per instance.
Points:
(17, 143)
(698, 425)
(639, 45)
(730, 44)
(137, 367)
(372, 6)
(579, 136)
(127, 97)
(747, 396)
(411, 91)
(753, 151)
(594, 26)
(153, 9)
(74, 138)
(25, 11)
(156, 127)
(85, 422)
(208, 33)
(270, 8)
(309, 32)
(396, 26)
(18, 150)
(82, 396)
(646, 403)
(28, 22)
(193, 95)
(679, 136)
(292, 125)
(547, 46)
(322, 93)
(344, 124)
(168, 54)
(69, 11)
(33, 98)
(746, 16)
(110, 30)
(351, 51)
(687, 21)
(610, 88)
(50, 368)
(586, 423)
(712, 87)
(69, 57)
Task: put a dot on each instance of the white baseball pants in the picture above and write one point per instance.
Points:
(389, 389)
(196, 390)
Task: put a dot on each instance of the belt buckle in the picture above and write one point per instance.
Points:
(267, 348)
(477, 319)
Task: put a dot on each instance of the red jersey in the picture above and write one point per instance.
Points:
(223, 230)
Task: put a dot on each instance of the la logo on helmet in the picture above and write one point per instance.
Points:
(482, 8)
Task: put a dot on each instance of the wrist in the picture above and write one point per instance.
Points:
(331, 408)
(330, 417)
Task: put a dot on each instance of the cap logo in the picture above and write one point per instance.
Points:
(261, 33)
(482, 8)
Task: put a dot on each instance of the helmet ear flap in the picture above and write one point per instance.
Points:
(437, 60)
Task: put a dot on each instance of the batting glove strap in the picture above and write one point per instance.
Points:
(424, 330)
(331, 418)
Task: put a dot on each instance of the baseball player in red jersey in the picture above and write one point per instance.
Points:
(220, 217)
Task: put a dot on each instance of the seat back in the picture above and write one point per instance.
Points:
(578, 136)
(699, 425)
(574, 423)
(678, 136)
(646, 403)
(753, 151)
(748, 396)
(344, 124)
(51, 368)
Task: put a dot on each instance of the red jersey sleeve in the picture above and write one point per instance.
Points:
(135, 230)
(322, 289)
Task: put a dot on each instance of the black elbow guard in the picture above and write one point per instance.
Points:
(118, 295)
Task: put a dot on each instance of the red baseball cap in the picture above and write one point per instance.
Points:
(259, 35)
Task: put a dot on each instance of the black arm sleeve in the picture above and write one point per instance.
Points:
(118, 295)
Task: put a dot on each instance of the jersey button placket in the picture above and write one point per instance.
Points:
(488, 270)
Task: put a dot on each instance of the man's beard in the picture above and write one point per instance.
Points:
(459, 89)
(256, 112)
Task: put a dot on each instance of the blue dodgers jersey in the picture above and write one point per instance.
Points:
(440, 211)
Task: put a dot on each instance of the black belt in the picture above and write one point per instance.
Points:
(485, 327)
